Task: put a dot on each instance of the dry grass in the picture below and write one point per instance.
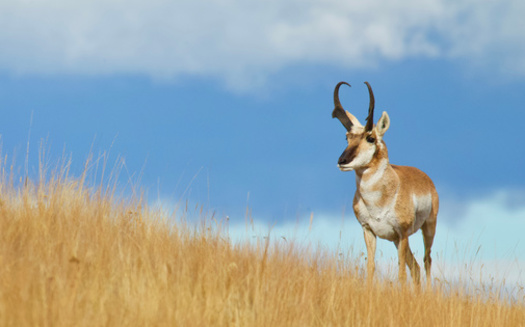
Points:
(71, 255)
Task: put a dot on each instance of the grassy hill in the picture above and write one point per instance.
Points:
(74, 255)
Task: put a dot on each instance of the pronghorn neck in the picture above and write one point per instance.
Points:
(377, 175)
(378, 162)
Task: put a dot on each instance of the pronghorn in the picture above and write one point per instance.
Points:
(390, 201)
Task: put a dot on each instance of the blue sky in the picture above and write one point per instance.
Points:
(228, 104)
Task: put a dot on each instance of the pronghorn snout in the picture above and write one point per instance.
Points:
(347, 156)
(346, 159)
(342, 160)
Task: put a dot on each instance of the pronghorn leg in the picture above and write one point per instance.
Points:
(402, 245)
(406, 258)
(415, 271)
(370, 240)
(429, 230)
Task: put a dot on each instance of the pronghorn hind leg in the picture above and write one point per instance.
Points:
(406, 258)
(429, 230)
(370, 240)
(415, 270)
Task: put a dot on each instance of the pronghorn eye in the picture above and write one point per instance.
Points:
(370, 139)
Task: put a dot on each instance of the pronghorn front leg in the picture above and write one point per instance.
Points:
(370, 240)
(402, 247)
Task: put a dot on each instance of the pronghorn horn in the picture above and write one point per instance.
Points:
(370, 118)
(339, 112)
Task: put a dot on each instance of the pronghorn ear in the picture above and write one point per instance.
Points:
(383, 124)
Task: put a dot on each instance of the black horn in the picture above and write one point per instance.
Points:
(370, 118)
(339, 112)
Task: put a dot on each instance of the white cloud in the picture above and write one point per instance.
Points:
(242, 41)
(491, 33)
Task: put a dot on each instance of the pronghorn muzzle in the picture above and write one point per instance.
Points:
(347, 156)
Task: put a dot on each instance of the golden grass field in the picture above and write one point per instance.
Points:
(72, 254)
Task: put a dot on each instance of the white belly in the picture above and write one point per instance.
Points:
(383, 228)
(381, 221)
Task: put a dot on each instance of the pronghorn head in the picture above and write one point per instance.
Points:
(364, 142)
